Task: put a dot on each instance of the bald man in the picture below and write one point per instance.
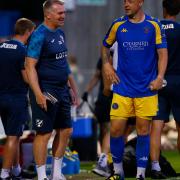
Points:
(142, 61)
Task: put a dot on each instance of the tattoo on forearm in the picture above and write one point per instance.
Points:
(105, 57)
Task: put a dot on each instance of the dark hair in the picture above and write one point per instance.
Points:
(172, 7)
(22, 25)
(48, 4)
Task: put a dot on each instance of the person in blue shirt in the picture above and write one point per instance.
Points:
(142, 60)
(49, 78)
(13, 95)
(169, 96)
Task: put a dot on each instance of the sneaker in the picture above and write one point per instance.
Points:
(62, 177)
(140, 178)
(157, 175)
(25, 175)
(115, 177)
(102, 160)
(102, 171)
(111, 168)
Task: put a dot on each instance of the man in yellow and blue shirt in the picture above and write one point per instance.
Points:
(142, 61)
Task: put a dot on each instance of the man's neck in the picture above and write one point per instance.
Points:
(172, 18)
(49, 24)
(138, 17)
(20, 38)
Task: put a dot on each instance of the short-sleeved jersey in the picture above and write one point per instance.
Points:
(12, 57)
(49, 49)
(137, 54)
(172, 31)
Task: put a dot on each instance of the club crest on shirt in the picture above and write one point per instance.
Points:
(115, 106)
(146, 30)
(61, 41)
(39, 122)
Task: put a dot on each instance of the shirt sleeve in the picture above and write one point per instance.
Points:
(35, 45)
(160, 36)
(110, 37)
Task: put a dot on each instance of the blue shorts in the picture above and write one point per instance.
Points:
(57, 116)
(169, 99)
(14, 113)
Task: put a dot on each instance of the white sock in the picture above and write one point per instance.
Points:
(16, 170)
(102, 160)
(41, 171)
(141, 171)
(155, 166)
(5, 173)
(56, 167)
(118, 168)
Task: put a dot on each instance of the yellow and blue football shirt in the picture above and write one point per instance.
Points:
(137, 54)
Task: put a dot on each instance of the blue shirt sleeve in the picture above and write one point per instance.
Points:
(35, 45)
(161, 38)
(110, 37)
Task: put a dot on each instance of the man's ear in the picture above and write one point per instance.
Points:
(141, 3)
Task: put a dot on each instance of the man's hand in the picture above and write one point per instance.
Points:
(156, 84)
(109, 74)
(41, 101)
(74, 98)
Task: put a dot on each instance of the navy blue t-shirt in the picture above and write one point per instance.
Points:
(12, 57)
(49, 49)
(172, 31)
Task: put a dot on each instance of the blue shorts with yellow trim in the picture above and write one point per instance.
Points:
(134, 107)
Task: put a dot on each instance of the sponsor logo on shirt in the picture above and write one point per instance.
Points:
(168, 26)
(61, 55)
(136, 45)
(124, 30)
(8, 46)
